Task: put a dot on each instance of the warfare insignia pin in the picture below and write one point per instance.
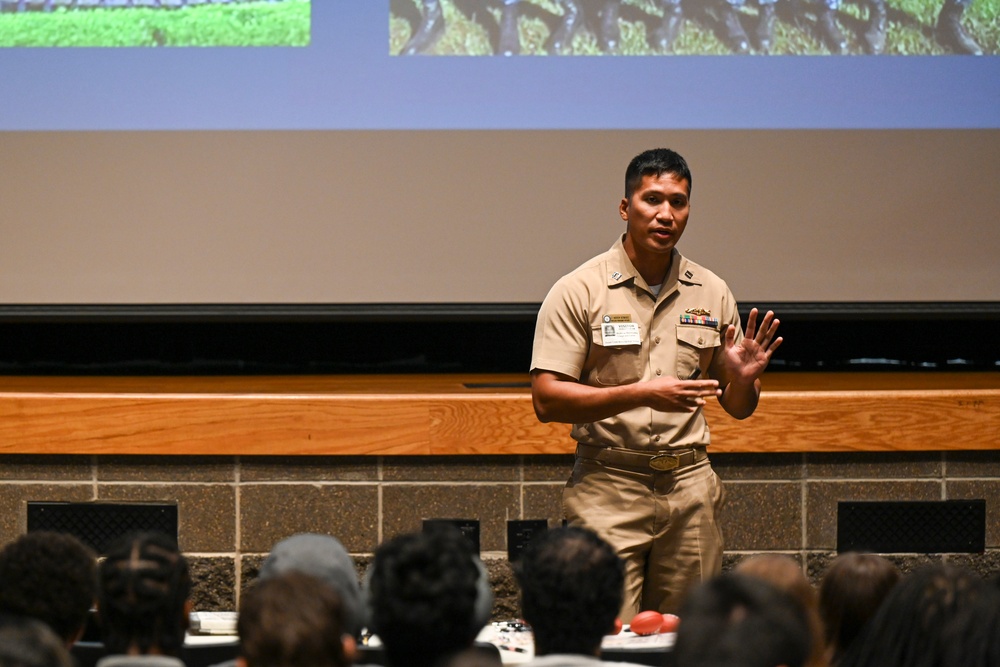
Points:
(700, 317)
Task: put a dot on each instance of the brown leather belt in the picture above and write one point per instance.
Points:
(631, 459)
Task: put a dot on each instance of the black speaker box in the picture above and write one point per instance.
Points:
(946, 526)
(98, 524)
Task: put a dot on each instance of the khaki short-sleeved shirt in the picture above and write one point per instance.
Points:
(679, 332)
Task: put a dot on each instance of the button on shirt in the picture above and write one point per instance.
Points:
(569, 340)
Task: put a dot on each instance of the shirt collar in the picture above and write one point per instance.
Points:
(621, 270)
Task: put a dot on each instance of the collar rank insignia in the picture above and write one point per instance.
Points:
(700, 317)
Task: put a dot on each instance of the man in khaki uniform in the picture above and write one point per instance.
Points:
(628, 348)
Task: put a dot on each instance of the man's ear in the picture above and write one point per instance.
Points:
(350, 649)
(623, 209)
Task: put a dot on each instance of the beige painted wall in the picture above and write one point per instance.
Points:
(382, 217)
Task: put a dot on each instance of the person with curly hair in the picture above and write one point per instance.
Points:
(50, 577)
(428, 595)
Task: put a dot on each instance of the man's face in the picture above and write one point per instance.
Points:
(657, 214)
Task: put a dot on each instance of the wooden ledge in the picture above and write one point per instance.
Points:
(464, 415)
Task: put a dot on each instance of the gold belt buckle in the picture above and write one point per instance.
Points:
(662, 462)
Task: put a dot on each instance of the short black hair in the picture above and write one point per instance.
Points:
(655, 162)
(49, 576)
(423, 590)
(572, 585)
(144, 585)
(741, 621)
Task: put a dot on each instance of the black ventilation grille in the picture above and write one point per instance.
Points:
(99, 524)
(946, 526)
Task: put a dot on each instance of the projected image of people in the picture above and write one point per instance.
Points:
(131, 23)
(694, 27)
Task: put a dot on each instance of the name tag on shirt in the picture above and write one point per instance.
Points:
(616, 334)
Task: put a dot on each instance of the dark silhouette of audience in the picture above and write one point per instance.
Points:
(972, 639)
(428, 597)
(785, 573)
(293, 620)
(28, 642)
(850, 593)
(50, 577)
(326, 559)
(143, 602)
(926, 612)
(737, 620)
(571, 584)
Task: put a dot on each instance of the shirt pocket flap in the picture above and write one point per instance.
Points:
(700, 337)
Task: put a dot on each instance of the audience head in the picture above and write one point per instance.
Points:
(427, 590)
(324, 558)
(741, 621)
(143, 602)
(852, 589)
(293, 620)
(655, 162)
(571, 590)
(972, 638)
(910, 627)
(50, 577)
(28, 642)
(785, 573)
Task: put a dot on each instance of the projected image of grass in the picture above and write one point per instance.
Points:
(473, 27)
(285, 23)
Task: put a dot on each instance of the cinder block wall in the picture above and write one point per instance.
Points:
(231, 510)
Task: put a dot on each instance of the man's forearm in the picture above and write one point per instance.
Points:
(740, 401)
(570, 402)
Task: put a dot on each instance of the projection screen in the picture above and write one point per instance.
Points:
(336, 171)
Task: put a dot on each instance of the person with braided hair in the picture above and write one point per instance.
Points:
(143, 602)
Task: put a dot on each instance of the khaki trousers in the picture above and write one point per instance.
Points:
(663, 524)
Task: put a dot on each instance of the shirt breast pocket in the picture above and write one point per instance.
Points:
(695, 346)
(614, 365)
